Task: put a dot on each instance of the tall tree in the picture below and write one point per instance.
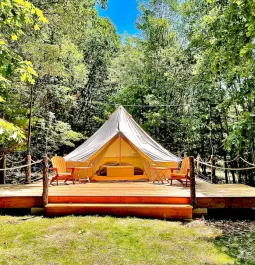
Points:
(72, 61)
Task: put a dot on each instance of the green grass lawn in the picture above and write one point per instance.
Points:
(108, 240)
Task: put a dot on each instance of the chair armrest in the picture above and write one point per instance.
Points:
(174, 168)
(73, 169)
(55, 169)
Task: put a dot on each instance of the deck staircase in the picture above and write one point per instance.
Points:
(140, 206)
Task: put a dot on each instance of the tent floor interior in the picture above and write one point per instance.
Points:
(142, 199)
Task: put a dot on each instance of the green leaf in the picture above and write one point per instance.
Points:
(14, 37)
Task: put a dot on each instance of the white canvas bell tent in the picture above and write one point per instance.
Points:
(122, 139)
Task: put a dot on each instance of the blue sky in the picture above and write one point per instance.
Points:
(123, 14)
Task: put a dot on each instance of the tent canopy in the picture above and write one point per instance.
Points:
(131, 136)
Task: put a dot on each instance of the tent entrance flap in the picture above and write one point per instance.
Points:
(122, 152)
(120, 161)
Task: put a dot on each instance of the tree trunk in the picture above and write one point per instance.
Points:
(3, 173)
(233, 165)
(224, 152)
(213, 176)
(198, 165)
(225, 166)
(45, 180)
(204, 170)
(28, 170)
(239, 174)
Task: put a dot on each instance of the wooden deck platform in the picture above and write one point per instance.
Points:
(128, 198)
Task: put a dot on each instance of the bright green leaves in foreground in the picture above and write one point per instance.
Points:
(16, 19)
(10, 136)
(15, 16)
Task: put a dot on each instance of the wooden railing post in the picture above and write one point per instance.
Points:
(28, 170)
(45, 181)
(193, 199)
(213, 176)
(3, 173)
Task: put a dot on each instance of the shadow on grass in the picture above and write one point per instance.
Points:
(237, 240)
(231, 214)
(15, 211)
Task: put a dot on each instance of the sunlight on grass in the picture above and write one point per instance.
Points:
(107, 240)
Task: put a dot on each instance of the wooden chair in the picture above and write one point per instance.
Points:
(182, 173)
(59, 166)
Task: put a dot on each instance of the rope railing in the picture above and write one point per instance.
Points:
(208, 161)
(246, 162)
(44, 176)
(13, 168)
(236, 158)
(225, 168)
(15, 162)
(231, 160)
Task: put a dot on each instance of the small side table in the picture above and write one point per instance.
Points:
(81, 179)
(160, 174)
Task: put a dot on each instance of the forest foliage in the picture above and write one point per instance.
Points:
(187, 78)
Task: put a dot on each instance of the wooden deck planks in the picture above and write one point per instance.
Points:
(120, 189)
(205, 189)
(208, 195)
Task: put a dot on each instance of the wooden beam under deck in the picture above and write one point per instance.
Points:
(20, 201)
(226, 202)
(21, 196)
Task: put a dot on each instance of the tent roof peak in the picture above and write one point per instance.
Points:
(121, 124)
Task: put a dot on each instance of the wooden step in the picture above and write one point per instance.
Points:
(161, 211)
(118, 199)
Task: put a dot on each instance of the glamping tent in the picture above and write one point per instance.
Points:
(121, 150)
